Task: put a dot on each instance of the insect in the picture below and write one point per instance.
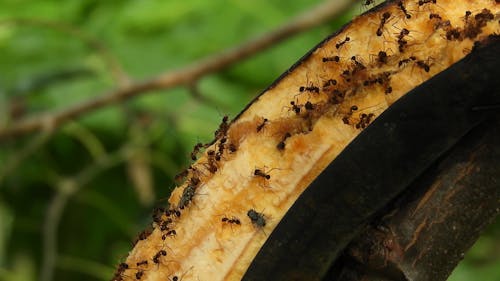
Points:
(232, 148)
(144, 262)
(382, 57)
(337, 96)
(295, 107)
(383, 20)
(223, 127)
(403, 9)
(405, 61)
(422, 64)
(281, 144)
(434, 16)
(261, 173)
(341, 43)
(231, 220)
(187, 196)
(401, 41)
(422, 2)
(196, 150)
(358, 66)
(329, 59)
(157, 214)
(329, 82)
(156, 257)
(345, 119)
(261, 125)
(365, 120)
(139, 274)
(119, 272)
(312, 89)
(258, 219)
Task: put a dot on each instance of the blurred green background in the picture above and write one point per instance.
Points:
(80, 196)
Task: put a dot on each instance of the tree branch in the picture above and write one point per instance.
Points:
(52, 120)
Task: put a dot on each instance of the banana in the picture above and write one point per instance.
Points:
(244, 182)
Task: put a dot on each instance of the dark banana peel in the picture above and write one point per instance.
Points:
(380, 164)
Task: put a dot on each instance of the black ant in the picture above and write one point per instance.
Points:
(157, 214)
(405, 61)
(261, 125)
(144, 262)
(435, 16)
(156, 257)
(358, 66)
(261, 173)
(223, 127)
(281, 144)
(119, 272)
(231, 221)
(383, 20)
(330, 82)
(258, 219)
(196, 150)
(403, 9)
(334, 59)
(382, 57)
(164, 225)
(401, 41)
(295, 107)
(212, 162)
(365, 120)
(139, 274)
(337, 96)
(422, 2)
(232, 148)
(309, 106)
(422, 64)
(181, 175)
(341, 43)
(388, 90)
(345, 119)
(312, 89)
(174, 212)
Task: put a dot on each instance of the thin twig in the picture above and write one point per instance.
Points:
(314, 17)
(67, 187)
(114, 66)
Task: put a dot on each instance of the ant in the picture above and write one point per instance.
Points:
(422, 64)
(365, 120)
(330, 82)
(295, 107)
(157, 214)
(422, 2)
(403, 9)
(212, 165)
(405, 61)
(144, 262)
(388, 90)
(341, 43)
(164, 225)
(261, 173)
(223, 127)
(312, 89)
(258, 219)
(337, 96)
(231, 221)
(174, 212)
(309, 106)
(196, 150)
(119, 272)
(139, 274)
(435, 16)
(232, 148)
(281, 144)
(334, 59)
(261, 125)
(345, 119)
(156, 257)
(382, 57)
(358, 66)
(383, 20)
(401, 41)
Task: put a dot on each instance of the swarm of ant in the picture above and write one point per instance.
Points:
(340, 92)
